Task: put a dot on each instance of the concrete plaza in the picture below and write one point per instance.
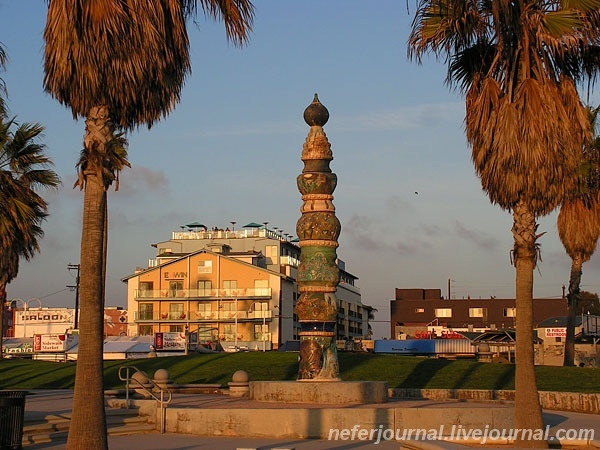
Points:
(47, 402)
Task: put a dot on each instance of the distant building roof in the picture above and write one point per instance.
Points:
(552, 322)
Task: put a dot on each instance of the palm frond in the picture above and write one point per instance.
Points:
(24, 169)
(237, 15)
(131, 57)
(578, 226)
(111, 163)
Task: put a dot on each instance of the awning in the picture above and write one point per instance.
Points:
(195, 225)
(500, 337)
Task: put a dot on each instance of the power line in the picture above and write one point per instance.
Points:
(53, 293)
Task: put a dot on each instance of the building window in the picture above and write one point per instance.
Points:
(258, 310)
(205, 310)
(207, 334)
(477, 312)
(228, 332)
(261, 332)
(261, 288)
(146, 311)
(176, 311)
(204, 266)
(145, 330)
(230, 287)
(510, 312)
(176, 289)
(176, 328)
(146, 288)
(229, 310)
(419, 310)
(204, 288)
(271, 254)
(443, 312)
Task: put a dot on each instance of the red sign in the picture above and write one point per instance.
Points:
(433, 335)
(158, 341)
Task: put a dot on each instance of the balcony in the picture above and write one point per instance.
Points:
(164, 294)
(199, 316)
(289, 261)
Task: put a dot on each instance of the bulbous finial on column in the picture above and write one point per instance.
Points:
(316, 114)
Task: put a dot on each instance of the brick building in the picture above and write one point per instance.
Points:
(421, 307)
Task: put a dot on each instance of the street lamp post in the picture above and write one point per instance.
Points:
(26, 308)
(236, 324)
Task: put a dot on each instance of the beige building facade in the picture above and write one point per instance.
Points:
(233, 288)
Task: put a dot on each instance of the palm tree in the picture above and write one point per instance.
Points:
(579, 229)
(2, 86)
(24, 169)
(119, 65)
(517, 63)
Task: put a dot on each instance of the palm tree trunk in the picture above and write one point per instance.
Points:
(572, 297)
(104, 257)
(88, 423)
(528, 412)
(2, 302)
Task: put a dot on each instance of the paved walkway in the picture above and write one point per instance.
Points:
(44, 402)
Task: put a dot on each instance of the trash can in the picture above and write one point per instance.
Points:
(12, 416)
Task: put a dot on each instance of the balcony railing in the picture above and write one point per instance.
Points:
(150, 294)
(194, 316)
(243, 337)
(289, 261)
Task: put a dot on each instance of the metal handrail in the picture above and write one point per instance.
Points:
(160, 400)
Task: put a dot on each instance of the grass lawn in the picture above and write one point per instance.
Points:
(398, 370)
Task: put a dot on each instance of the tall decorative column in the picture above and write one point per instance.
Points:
(318, 275)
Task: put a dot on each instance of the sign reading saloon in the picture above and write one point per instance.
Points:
(46, 316)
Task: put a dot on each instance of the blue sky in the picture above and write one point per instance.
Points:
(412, 210)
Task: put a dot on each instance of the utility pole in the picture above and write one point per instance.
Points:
(76, 287)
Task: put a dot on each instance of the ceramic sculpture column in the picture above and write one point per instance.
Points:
(318, 275)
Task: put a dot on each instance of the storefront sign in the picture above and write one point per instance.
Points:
(49, 343)
(445, 334)
(33, 317)
(169, 341)
(24, 349)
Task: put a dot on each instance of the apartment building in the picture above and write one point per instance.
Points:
(418, 308)
(237, 287)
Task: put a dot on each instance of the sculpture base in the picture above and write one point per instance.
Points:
(319, 380)
(320, 392)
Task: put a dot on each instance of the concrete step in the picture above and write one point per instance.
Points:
(56, 428)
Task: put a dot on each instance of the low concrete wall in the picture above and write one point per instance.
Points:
(559, 401)
(570, 401)
(302, 423)
(320, 392)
